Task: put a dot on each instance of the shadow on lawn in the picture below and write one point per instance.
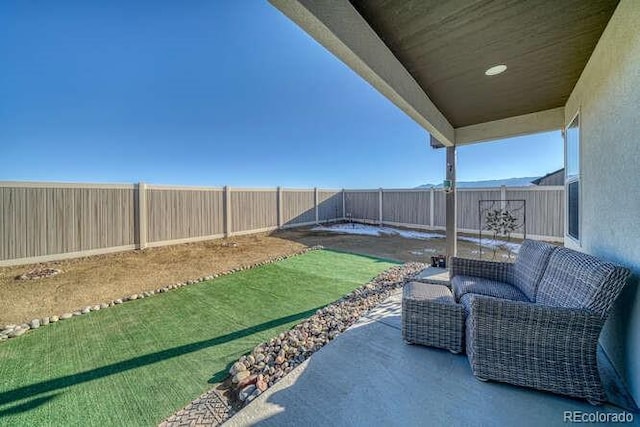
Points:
(33, 390)
(27, 406)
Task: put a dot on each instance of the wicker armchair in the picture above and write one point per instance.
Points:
(515, 281)
(542, 333)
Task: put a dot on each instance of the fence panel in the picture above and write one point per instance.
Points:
(253, 210)
(298, 207)
(183, 213)
(329, 205)
(467, 202)
(406, 207)
(363, 205)
(439, 211)
(37, 221)
(545, 210)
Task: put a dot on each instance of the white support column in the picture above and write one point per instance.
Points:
(451, 214)
(432, 207)
(142, 216)
(279, 206)
(227, 211)
(315, 203)
(380, 206)
(503, 197)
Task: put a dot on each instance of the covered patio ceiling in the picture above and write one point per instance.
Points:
(429, 57)
(447, 46)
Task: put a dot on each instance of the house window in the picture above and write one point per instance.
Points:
(572, 177)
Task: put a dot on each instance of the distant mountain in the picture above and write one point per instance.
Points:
(510, 182)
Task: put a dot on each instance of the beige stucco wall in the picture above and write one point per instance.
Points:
(608, 98)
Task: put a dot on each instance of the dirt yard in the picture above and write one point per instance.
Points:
(392, 247)
(91, 280)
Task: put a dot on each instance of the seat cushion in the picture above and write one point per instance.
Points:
(532, 261)
(577, 280)
(462, 285)
(419, 291)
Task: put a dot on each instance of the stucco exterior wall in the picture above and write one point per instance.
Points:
(608, 98)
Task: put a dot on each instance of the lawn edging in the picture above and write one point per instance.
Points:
(14, 331)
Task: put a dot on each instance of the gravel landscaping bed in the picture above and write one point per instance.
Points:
(270, 361)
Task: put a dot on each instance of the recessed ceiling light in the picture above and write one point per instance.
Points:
(496, 69)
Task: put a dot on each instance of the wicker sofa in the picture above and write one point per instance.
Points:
(536, 322)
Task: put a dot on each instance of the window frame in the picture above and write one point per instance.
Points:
(573, 179)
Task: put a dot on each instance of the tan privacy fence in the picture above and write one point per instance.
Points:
(418, 208)
(48, 221)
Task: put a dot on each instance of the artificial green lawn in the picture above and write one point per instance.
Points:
(137, 363)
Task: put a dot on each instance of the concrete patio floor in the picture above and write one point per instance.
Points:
(368, 376)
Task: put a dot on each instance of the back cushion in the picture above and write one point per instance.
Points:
(530, 265)
(577, 280)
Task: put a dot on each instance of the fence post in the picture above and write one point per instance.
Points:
(432, 207)
(142, 215)
(380, 206)
(344, 206)
(227, 211)
(503, 197)
(279, 206)
(315, 203)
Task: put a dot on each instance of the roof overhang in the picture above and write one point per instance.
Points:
(525, 124)
(428, 57)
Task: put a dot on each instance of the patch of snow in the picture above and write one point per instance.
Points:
(408, 234)
(514, 248)
(374, 230)
(423, 251)
(360, 229)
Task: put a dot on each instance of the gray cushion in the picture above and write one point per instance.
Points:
(530, 266)
(576, 280)
(427, 292)
(462, 285)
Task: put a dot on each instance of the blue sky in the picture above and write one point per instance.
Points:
(209, 93)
